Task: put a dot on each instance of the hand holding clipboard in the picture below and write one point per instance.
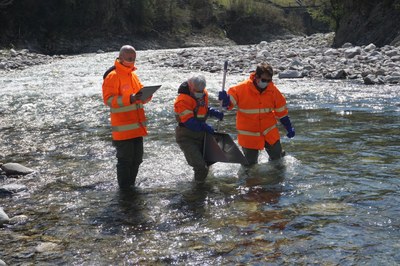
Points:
(145, 93)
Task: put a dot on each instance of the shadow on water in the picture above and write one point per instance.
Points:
(192, 201)
(263, 174)
(184, 206)
(126, 212)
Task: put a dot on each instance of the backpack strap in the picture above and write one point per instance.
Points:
(108, 72)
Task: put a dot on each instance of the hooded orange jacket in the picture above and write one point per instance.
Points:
(186, 107)
(127, 120)
(257, 113)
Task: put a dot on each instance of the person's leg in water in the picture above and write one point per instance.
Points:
(137, 157)
(274, 151)
(191, 144)
(130, 156)
(251, 156)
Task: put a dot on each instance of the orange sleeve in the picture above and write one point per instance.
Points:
(111, 93)
(234, 96)
(183, 108)
(280, 104)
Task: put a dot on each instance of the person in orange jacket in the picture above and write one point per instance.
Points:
(191, 112)
(121, 88)
(259, 105)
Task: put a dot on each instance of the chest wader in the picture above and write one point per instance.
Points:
(274, 151)
(130, 156)
(191, 143)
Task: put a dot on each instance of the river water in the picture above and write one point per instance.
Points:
(334, 199)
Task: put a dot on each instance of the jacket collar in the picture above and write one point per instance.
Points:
(184, 88)
(121, 68)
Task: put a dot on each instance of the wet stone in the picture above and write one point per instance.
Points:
(12, 188)
(16, 169)
(46, 247)
(3, 217)
(19, 219)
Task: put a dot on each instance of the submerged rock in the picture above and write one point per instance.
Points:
(12, 189)
(46, 247)
(19, 219)
(16, 169)
(3, 217)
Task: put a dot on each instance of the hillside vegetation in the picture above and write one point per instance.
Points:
(364, 22)
(68, 26)
(75, 26)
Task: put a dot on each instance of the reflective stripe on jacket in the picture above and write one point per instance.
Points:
(257, 113)
(127, 120)
(186, 107)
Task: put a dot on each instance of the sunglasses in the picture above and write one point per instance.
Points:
(266, 80)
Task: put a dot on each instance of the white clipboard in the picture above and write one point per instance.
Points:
(148, 91)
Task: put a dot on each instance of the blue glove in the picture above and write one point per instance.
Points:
(291, 133)
(224, 97)
(196, 125)
(288, 125)
(215, 113)
(207, 128)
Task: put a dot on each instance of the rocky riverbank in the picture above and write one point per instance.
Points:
(20, 59)
(14, 59)
(297, 57)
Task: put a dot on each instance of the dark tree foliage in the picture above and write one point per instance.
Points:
(53, 26)
(364, 22)
(42, 21)
(24, 19)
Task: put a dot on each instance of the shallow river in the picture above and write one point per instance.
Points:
(334, 199)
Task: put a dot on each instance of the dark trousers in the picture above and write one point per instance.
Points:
(274, 152)
(191, 143)
(130, 156)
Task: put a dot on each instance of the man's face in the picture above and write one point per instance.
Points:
(263, 80)
(265, 77)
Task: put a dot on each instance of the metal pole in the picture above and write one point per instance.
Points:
(223, 89)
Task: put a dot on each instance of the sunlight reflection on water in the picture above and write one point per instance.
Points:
(333, 199)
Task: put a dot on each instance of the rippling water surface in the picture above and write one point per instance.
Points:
(334, 199)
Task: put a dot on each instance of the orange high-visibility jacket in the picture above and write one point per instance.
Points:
(257, 113)
(127, 120)
(186, 107)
